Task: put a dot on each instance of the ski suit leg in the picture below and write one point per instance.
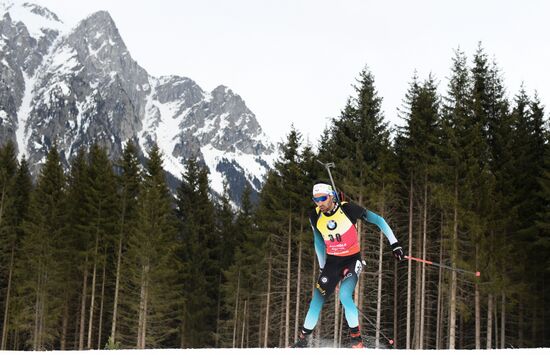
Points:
(346, 297)
(314, 310)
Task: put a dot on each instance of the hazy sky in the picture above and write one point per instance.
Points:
(295, 61)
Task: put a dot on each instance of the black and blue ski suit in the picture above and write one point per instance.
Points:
(337, 247)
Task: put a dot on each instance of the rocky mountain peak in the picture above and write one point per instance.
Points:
(239, 115)
(39, 21)
(81, 86)
(96, 39)
(41, 11)
(173, 88)
(99, 26)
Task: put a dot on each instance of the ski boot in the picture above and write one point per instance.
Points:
(303, 340)
(356, 341)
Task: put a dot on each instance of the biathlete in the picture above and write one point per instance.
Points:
(337, 247)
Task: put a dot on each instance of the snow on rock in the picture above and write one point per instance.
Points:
(64, 61)
(36, 18)
(160, 125)
(248, 163)
(22, 135)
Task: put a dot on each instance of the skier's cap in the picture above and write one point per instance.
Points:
(322, 188)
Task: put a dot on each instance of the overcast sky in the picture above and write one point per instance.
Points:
(295, 61)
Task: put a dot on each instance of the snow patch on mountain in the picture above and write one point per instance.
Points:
(161, 124)
(37, 19)
(212, 157)
(22, 134)
(64, 61)
(250, 165)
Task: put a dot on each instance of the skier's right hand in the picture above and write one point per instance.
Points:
(397, 251)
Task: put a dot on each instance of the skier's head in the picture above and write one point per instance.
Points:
(323, 196)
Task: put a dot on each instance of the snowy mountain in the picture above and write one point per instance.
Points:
(75, 86)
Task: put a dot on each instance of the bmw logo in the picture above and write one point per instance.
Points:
(331, 225)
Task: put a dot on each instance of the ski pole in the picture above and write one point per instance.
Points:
(328, 166)
(390, 341)
(477, 273)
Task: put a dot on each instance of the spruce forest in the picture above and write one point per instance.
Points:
(104, 255)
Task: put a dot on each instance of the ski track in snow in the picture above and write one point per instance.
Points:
(308, 351)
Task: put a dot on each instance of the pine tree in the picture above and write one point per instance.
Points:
(417, 147)
(459, 137)
(542, 246)
(290, 180)
(9, 225)
(78, 232)
(358, 139)
(529, 154)
(229, 238)
(22, 190)
(102, 210)
(199, 249)
(479, 218)
(359, 144)
(8, 172)
(403, 149)
(529, 143)
(129, 182)
(250, 293)
(243, 280)
(39, 274)
(151, 261)
(501, 164)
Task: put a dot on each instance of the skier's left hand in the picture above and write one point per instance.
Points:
(397, 251)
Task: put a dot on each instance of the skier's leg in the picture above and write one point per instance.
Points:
(312, 317)
(329, 278)
(347, 287)
(346, 297)
(314, 310)
(326, 284)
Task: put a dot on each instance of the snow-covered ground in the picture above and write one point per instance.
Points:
(310, 351)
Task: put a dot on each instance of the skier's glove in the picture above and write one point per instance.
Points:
(397, 251)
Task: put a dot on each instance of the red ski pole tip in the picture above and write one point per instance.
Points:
(391, 341)
(478, 274)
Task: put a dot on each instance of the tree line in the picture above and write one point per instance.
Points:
(104, 255)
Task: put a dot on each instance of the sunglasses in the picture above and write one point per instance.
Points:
(320, 198)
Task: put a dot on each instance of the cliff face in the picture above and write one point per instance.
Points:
(78, 86)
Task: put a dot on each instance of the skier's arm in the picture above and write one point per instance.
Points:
(372, 217)
(320, 248)
(385, 228)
